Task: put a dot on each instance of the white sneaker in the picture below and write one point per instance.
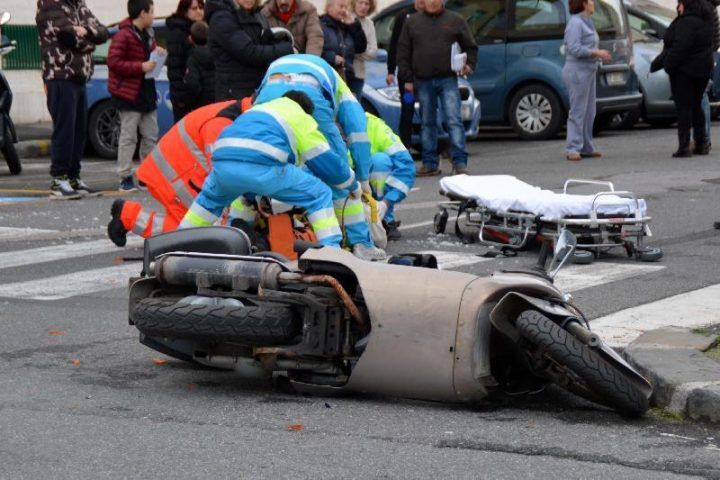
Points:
(369, 254)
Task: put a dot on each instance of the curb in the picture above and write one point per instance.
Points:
(685, 381)
(33, 148)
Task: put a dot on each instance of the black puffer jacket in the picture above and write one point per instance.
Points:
(200, 77)
(343, 40)
(178, 48)
(688, 45)
(242, 46)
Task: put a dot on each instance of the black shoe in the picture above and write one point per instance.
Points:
(684, 153)
(60, 189)
(83, 189)
(716, 225)
(391, 229)
(701, 149)
(116, 230)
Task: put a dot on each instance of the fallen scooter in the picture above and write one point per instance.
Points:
(8, 137)
(337, 324)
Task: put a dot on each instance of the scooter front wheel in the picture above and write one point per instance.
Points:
(11, 156)
(579, 368)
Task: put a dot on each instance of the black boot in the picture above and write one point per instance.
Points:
(116, 230)
(392, 231)
(682, 153)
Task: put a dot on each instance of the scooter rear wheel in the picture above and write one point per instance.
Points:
(583, 371)
(264, 324)
(10, 154)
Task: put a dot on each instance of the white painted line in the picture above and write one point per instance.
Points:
(61, 252)
(577, 277)
(410, 226)
(449, 260)
(692, 309)
(12, 233)
(415, 189)
(415, 206)
(72, 284)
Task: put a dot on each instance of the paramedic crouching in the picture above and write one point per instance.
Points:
(582, 57)
(262, 153)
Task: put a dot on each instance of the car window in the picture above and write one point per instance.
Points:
(608, 19)
(384, 26)
(487, 19)
(532, 18)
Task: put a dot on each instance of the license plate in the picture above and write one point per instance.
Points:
(615, 79)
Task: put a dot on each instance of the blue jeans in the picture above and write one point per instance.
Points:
(428, 92)
(705, 105)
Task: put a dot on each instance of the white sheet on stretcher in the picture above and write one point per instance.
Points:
(502, 193)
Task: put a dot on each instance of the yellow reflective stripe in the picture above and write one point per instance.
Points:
(192, 146)
(239, 209)
(324, 223)
(195, 220)
(258, 146)
(358, 137)
(397, 184)
(351, 212)
(181, 190)
(283, 123)
(205, 217)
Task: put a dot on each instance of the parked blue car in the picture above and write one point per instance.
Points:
(518, 80)
(104, 119)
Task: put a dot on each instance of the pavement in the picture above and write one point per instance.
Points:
(82, 398)
(33, 140)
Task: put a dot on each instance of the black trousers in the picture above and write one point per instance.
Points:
(67, 103)
(407, 111)
(687, 94)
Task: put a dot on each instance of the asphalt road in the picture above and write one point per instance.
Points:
(81, 398)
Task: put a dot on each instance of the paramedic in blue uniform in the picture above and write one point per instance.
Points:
(263, 152)
(582, 58)
(333, 102)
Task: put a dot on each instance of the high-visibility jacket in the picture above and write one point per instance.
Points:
(397, 183)
(176, 168)
(348, 111)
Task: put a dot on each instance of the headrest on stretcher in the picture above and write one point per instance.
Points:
(503, 193)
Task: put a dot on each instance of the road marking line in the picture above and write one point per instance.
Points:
(12, 233)
(691, 309)
(449, 260)
(410, 226)
(578, 277)
(60, 252)
(414, 206)
(72, 284)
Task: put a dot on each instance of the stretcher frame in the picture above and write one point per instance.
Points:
(596, 233)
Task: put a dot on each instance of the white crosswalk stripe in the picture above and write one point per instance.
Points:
(14, 233)
(62, 252)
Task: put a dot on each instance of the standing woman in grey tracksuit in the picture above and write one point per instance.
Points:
(582, 58)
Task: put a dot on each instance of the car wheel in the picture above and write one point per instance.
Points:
(104, 130)
(536, 112)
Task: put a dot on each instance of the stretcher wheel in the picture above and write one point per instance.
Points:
(440, 221)
(649, 254)
(582, 257)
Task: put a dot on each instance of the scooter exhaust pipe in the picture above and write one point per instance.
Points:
(208, 272)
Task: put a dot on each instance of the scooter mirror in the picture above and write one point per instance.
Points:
(4, 18)
(564, 248)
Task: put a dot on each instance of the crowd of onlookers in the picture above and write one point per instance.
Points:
(220, 50)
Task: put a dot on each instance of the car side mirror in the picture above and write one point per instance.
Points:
(564, 248)
(4, 18)
(381, 55)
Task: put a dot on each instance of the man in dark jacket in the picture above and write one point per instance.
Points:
(407, 102)
(424, 63)
(68, 33)
(343, 38)
(242, 45)
(200, 76)
(712, 5)
(133, 93)
(301, 18)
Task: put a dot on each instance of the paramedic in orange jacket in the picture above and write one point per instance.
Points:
(174, 172)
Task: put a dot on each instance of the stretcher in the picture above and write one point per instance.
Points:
(504, 212)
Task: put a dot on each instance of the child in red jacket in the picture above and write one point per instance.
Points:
(133, 93)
